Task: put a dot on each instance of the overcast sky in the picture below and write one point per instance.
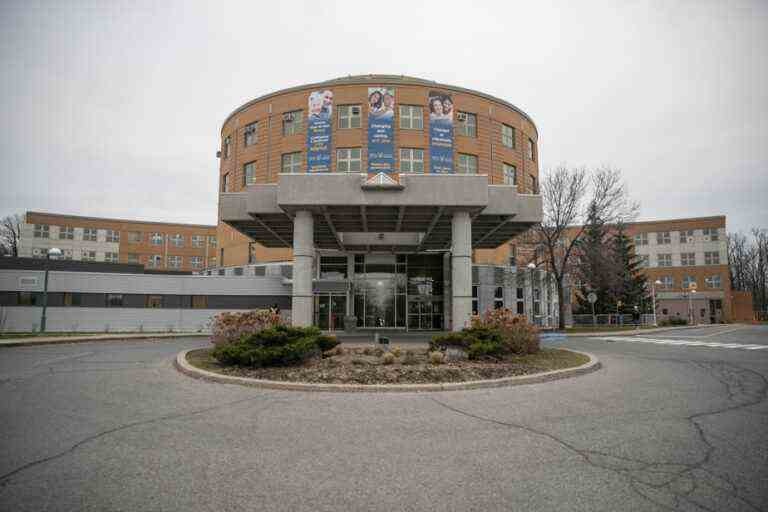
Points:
(113, 109)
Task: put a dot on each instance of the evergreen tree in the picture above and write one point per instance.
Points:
(629, 281)
(593, 267)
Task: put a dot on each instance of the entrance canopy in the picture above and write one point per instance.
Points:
(354, 213)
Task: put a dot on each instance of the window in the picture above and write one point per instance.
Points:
(712, 233)
(66, 233)
(498, 298)
(197, 262)
(198, 240)
(156, 239)
(27, 299)
(177, 240)
(225, 183)
(713, 281)
(508, 136)
(110, 257)
(292, 163)
(712, 258)
(667, 281)
(513, 256)
(155, 261)
(73, 299)
(475, 301)
(687, 280)
(212, 261)
(238, 271)
(348, 160)
(199, 301)
(67, 254)
(212, 241)
(225, 147)
(42, 231)
(250, 134)
(89, 234)
(643, 260)
(663, 238)
(688, 259)
(333, 267)
(113, 236)
(510, 174)
(533, 184)
(154, 301)
(174, 261)
(89, 256)
(133, 258)
(114, 300)
(411, 160)
(292, 122)
(641, 239)
(467, 124)
(349, 116)
(664, 260)
(686, 237)
(520, 301)
(467, 164)
(222, 272)
(531, 150)
(411, 117)
(249, 173)
(134, 237)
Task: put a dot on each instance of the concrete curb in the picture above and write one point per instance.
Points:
(186, 368)
(635, 332)
(21, 342)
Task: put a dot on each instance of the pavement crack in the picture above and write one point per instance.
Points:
(5, 478)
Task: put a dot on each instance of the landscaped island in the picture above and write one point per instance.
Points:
(258, 345)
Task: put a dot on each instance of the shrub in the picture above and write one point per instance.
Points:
(327, 342)
(279, 345)
(410, 357)
(673, 321)
(397, 351)
(231, 327)
(388, 358)
(436, 357)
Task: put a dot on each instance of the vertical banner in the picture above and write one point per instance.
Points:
(440, 133)
(320, 108)
(381, 118)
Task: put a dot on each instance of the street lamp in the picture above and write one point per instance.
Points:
(653, 300)
(55, 252)
(532, 266)
(690, 305)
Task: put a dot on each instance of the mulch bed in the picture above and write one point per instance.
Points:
(365, 366)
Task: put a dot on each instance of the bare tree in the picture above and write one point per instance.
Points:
(748, 261)
(568, 196)
(10, 234)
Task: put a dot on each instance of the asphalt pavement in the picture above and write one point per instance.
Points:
(113, 427)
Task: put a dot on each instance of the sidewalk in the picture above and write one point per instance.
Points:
(56, 340)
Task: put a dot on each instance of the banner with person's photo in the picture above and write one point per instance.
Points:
(440, 133)
(319, 129)
(381, 118)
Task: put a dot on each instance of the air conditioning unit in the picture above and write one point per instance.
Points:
(461, 116)
(288, 116)
(218, 154)
(356, 111)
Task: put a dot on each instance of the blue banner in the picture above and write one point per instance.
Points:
(440, 133)
(381, 117)
(319, 120)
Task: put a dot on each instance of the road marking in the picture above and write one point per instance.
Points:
(716, 333)
(675, 342)
(58, 359)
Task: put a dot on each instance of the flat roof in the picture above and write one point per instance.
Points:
(381, 80)
(106, 219)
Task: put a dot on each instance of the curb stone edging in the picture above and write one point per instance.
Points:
(183, 366)
(636, 332)
(21, 342)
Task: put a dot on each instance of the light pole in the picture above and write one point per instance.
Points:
(653, 300)
(53, 251)
(532, 266)
(690, 305)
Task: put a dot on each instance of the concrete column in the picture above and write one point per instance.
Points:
(303, 256)
(461, 266)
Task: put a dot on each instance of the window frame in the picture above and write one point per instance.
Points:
(112, 236)
(505, 168)
(346, 113)
(411, 117)
(410, 161)
(249, 173)
(250, 134)
(156, 238)
(508, 136)
(344, 158)
(465, 158)
(177, 259)
(296, 161)
(466, 128)
(87, 235)
(176, 240)
(712, 257)
(295, 125)
(66, 233)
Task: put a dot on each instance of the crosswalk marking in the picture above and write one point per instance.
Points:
(691, 343)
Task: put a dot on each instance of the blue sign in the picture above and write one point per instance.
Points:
(440, 133)
(319, 131)
(381, 117)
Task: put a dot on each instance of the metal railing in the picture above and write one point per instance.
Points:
(613, 319)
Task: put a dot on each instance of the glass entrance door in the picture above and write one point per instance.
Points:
(330, 311)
